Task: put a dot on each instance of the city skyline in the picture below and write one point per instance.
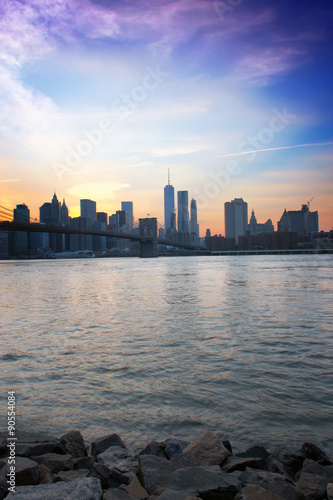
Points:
(98, 100)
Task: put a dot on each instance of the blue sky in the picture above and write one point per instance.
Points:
(98, 99)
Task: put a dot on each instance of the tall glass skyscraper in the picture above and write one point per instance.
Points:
(169, 205)
(128, 207)
(183, 215)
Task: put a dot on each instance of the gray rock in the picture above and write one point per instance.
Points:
(174, 495)
(108, 478)
(154, 472)
(116, 494)
(71, 475)
(238, 463)
(3, 488)
(31, 437)
(84, 462)
(154, 448)
(207, 449)
(136, 489)
(312, 486)
(255, 492)
(119, 458)
(26, 471)
(312, 467)
(73, 443)
(274, 464)
(182, 460)
(330, 491)
(103, 443)
(206, 482)
(276, 483)
(293, 461)
(87, 489)
(315, 453)
(45, 476)
(174, 446)
(55, 462)
(31, 443)
(254, 452)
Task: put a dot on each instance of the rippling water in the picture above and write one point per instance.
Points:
(242, 346)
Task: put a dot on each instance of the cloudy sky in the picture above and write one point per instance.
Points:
(98, 98)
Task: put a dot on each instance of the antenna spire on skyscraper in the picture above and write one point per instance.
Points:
(168, 176)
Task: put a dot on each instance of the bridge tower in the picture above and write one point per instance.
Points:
(148, 228)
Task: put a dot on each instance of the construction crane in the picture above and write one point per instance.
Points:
(308, 203)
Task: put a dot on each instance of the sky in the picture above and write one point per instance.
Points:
(99, 98)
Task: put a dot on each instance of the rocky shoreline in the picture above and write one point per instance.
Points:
(50, 468)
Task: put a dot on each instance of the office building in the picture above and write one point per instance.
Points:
(169, 207)
(122, 219)
(88, 209)
(235, 216)
(64, 218)
(21, 213)
(183, 215)
(102, 217)
(303, 222)
(127, 206)
(194, 227)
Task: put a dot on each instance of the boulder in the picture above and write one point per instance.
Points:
(116, 494)
(315, 453)
(312, 467)
(136, 489)
(103, 443)
(84, 462)
(109, 478)
(154, 448)
(206, 482)
(255, 493)
(238, 463)
(292, 461)
(45, 476)
(31, 443)
(3, 487)
(312, 486)
(119, 458)
(26, 471)
(182, 460)
(87, 489)
(276, 483)
(71, 475)
(207, 449)
(154, 472)
(55, 462)
(73, 443)
(330, 491)
(254, 452)
(174, 446)
(174, 495)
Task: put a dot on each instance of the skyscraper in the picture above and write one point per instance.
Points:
(183, 215)
(235, 216)
(64, 219)
(194, 227)
(55, 210)
(128, 207)
(88, 209)
(21, 213)
(169, 205)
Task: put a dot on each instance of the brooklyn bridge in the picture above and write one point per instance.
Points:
(146, 236)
